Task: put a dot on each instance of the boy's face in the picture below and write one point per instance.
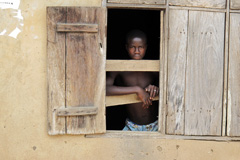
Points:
(136, 48)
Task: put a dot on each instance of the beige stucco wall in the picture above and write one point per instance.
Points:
(23, 102)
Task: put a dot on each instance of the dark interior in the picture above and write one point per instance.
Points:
(120, 22)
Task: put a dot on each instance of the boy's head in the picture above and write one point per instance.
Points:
(136, 44)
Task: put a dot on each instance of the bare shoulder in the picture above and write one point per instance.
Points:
(110, 77)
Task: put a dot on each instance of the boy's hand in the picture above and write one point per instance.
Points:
(144, 96)
(152, 90)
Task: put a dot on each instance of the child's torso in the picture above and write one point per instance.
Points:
(141, 79)
(136, 112)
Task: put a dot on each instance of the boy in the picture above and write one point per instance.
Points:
(141, 116)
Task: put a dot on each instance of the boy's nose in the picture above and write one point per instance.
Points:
(137, 50)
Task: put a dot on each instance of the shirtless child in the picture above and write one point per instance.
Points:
(141, 116)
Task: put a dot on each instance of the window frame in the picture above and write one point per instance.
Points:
(162, 56)
(163, 75)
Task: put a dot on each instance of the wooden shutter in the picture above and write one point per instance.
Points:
(76, 70)
(195, 72)
(233, 120)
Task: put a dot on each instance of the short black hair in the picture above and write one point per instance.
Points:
(136, 33)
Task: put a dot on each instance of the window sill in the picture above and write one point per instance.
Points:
(156, 135)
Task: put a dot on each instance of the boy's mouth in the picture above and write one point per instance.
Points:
(137, 56)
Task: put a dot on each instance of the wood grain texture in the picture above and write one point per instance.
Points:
(226, 64)
(133, 65)
(74, 27)
(178, 29)
(204, 75)
(56, 70)
(135, 6)
(233, 119)
(77, 111)
(85, 70)
(235, 4)
(155, 135)
(123, 99)
(163, 70)
(138, 1)
(199, 3)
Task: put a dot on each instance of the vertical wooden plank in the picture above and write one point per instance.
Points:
(204, 76)
(199, 3)
(56, 69)
(85, 83)
(226, 60)
(178, 26)
(162, 102)
(233, 119)
(235, 4)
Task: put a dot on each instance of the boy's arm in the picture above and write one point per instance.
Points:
(118, 90)
(153, 90)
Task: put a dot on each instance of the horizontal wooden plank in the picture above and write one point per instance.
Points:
(133, 65)
(138, 1)
(197, 9)
(157, 135)
(77, 27)
(123, 99)
(199, 3)
(77, 111)
(135, 6)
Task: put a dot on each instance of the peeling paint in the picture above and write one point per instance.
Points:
(13, 4)
(11, 7)
(15, 33)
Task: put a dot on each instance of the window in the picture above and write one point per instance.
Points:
(120, 22)
(198, 66)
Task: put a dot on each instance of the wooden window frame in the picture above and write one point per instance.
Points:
(156, 65)
(163, 75)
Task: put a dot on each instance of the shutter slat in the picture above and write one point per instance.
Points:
(77, 111)
(68, 27)
(85, 70)
(56, 69)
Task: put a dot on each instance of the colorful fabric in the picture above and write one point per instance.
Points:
(131, 126)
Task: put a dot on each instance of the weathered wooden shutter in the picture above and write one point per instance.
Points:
(195, 69)
(233, 117)
(76, 70)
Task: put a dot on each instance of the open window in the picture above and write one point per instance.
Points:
(77, 63)
(120, 22)
(196, 59)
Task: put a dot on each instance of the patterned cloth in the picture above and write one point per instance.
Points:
(131, 126)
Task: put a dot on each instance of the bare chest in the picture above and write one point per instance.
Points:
(141, 79)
